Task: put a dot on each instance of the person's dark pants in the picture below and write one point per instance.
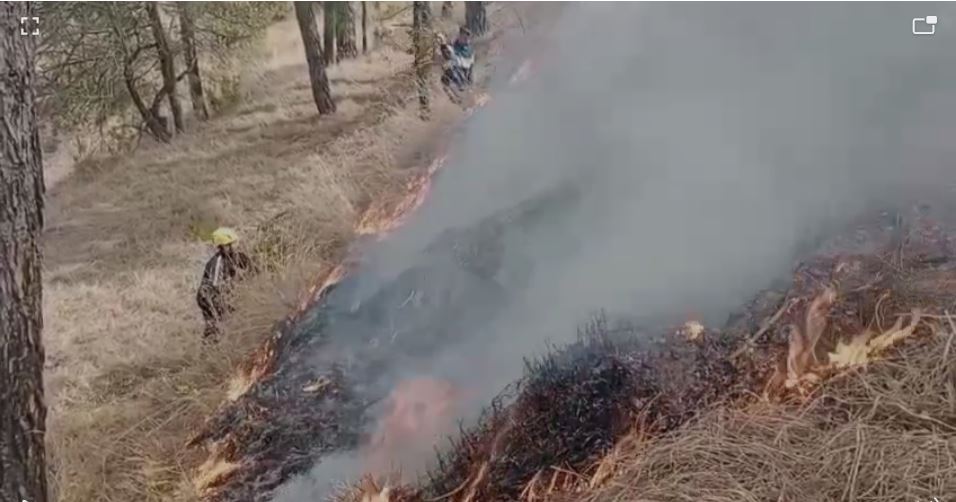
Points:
(212, 307)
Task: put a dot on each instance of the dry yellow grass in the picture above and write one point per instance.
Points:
(882, 433)
(127, 376)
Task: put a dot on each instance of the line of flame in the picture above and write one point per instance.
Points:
(378, 220)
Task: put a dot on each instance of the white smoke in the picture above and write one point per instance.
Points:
(711, 141)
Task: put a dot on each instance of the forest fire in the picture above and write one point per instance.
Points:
(377, 221)
(573, 405)
(380, 220)
(315, 292)
(418, 409)
(417, 406)
(354, 348)
(842, 310)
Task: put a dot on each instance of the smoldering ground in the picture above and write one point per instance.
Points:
(711, 144)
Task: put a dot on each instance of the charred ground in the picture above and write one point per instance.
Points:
(344, 355)
(549, 431)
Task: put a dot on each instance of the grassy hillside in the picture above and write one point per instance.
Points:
(125, 243)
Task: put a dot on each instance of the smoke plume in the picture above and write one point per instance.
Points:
(711, 144)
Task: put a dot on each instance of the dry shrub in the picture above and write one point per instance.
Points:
(886, 432)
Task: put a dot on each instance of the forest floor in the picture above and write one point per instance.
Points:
(127, 376)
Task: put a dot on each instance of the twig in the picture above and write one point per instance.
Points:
(876, 310)
(924, 316)
(527, 493)
(764, 327)
(949, 341)
(925, 417)
(851, 484)
(951, 394)
(890, 263)
(410, 295)
(568, 472)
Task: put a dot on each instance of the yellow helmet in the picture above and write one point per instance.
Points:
(224, 236)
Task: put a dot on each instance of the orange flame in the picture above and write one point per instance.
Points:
(419, 405)
(379, 220)
(333, 277)
(419, 410)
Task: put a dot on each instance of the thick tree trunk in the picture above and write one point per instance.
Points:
(345, 29)
(166, 65)
(447, 8)
(328, 31)
(313, 56)
(422, 42)
(364, 28)
(22, 410)
(187, 32)
(475, 18)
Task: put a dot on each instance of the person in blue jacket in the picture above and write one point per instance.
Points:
(462, 44)
(462, 47)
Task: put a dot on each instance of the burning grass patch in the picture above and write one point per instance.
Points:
(122, 294)
(877, 434)
(572, 407)
(687, 403)
(322, 370)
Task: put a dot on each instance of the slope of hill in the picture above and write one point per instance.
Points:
(840, 387)
(126, 373)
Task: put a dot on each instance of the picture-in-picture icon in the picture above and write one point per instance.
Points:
(925, 25)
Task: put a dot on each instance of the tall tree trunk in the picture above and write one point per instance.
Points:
(187, 32)
(422, 42)
(447, 8)
(328, 31)
(364, 28)
(155, 125)
(345, 29)
(22, 412)
(475, 18)
(313, 56)
(166, 65)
